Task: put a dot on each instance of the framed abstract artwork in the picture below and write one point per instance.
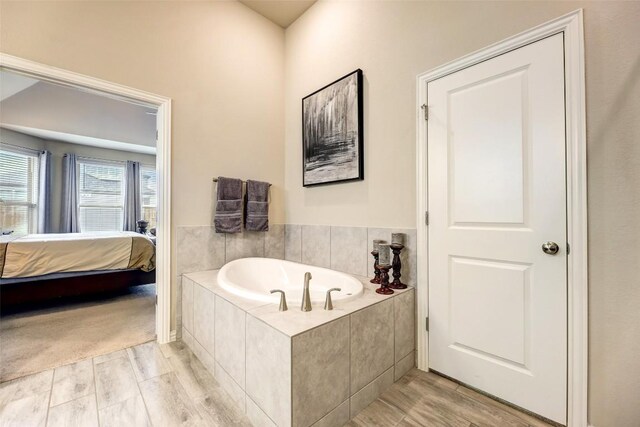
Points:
(332, 138)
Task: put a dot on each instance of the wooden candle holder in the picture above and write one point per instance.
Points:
(384, 288)
(397, 267)
(376, 270)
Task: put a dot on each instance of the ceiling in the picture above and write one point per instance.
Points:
(282, 12)
(11, 83)
(61, 113)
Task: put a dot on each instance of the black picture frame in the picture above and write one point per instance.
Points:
(341, 159)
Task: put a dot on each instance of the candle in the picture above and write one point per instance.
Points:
(384, 254)
(376, 244)
(397, 238)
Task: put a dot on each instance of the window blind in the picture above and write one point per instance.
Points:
(148, 191)
(100, 195)
(18, 190)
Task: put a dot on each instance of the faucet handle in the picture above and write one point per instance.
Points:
(283, 300)
(328, 304)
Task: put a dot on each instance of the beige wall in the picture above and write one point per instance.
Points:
(223, 67)
(58, 149)
(392, 42)
(220, 62)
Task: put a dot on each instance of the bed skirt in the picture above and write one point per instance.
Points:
(20, 291)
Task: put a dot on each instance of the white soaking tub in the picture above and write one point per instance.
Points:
(253, 278)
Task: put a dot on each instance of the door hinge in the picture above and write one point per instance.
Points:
(156, 299)
(426, 217)
(568, 248)
(425, 110)
(426, 323)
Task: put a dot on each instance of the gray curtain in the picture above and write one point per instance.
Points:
(69, 215)
(44, 192)
(132, 196)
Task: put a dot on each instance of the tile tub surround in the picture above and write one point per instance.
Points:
(200, 248)
(347, 249)
(298, 368)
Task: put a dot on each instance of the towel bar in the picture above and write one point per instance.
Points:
(243, 181)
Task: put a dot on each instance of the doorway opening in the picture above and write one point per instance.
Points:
(96, 163)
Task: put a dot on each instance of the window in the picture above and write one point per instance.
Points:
(100, 195)
(18, 190)
(148, 192)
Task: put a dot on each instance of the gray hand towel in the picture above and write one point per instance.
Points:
(257, 206)
(228, 217)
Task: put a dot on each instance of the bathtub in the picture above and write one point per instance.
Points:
(232, 324)
(253, 278)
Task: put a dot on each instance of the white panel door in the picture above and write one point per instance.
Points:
(496, 194)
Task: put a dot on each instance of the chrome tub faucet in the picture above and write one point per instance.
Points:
(328, 304)
(283, 299)
(306, 299)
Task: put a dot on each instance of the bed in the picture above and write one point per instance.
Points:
(38, 267)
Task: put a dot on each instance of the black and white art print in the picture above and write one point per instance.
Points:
(332, 140)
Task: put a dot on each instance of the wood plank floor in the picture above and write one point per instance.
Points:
(141, 386)
(151, 385)
(427, 399)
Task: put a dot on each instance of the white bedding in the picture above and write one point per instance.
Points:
(39, 254)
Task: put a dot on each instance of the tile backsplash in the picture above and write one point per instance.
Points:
(316, 245)
(200, 248)
(349, 250)
(346, 249)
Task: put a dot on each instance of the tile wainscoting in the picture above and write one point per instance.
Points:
(346, 249)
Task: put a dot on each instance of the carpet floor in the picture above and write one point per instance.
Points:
(34, 340)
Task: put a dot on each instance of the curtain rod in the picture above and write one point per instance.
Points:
(24, 150)
(98, 159)
(243, 181)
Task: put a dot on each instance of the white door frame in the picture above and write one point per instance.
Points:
(571, 25)
(163, 164)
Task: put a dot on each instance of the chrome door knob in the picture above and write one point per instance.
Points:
(550, 248)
